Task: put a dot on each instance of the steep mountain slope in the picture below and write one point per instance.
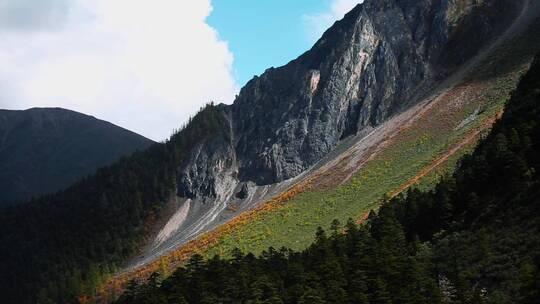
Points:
(472, 239)
(385, 64)
(59, 246)
(374, 63)
(381, 59)
(43, 150)
(414, 146)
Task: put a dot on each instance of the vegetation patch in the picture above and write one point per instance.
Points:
(290, 218)
(430, 137)
(473, 238)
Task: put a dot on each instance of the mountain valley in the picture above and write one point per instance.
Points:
(391, 98)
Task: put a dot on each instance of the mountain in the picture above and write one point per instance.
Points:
(361, 92)
(44, 150)
(473, 238)
(383, 58)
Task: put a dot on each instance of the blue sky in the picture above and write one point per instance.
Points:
(266, 33)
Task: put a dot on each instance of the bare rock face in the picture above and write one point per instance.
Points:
(376, 62)
(206, 166)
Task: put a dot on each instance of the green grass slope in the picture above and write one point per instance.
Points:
(419, 155)
(472, 239)
(424, 142)
(423, 150)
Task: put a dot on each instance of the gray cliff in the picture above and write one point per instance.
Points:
(377, 63)
(374, 63)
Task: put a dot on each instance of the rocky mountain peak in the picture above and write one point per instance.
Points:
(379, 60)
(367, 67)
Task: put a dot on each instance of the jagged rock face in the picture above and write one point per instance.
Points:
(203, 168)
(208, 166)
(369, 66)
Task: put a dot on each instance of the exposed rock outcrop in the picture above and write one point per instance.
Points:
(374, 63)
(382, 58)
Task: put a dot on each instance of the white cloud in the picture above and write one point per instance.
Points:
(32, 15)
(144, 65)
(316, 24)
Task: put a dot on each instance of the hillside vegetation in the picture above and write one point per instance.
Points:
(474, 238)
(57, 247)
(44, 150)
(418, 152)
(66, 247)
(404, 156)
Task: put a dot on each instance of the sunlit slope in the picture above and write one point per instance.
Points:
(412, 149)
(416, 152)
(432, 136)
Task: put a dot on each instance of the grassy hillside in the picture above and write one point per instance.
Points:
(430, 146)
(424, 142)
(473, 239)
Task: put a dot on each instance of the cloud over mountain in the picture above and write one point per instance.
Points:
(135, 63)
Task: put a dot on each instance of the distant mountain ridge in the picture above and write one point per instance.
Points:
(44, 150)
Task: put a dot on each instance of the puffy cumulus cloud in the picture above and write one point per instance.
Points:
(316, 24)
(144, 65)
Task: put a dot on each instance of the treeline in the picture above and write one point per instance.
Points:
(474, 238)
(60, 246)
